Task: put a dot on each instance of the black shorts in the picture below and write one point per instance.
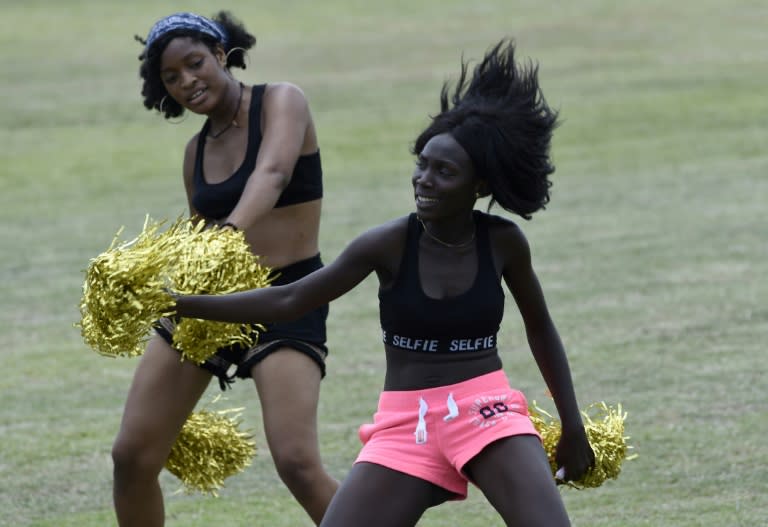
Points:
(306, 334)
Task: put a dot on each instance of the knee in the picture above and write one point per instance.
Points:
(298, 466)
(133, 458)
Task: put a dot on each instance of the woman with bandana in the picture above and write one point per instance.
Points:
(254, 166)
(448, 414)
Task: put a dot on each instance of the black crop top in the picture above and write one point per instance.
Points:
(464, 323)
(219, 199)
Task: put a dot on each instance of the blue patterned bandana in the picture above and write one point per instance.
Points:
(186, 21)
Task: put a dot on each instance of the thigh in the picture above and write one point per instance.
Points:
(515, 476)
(373, 496)
(288, 383)
(163, 392)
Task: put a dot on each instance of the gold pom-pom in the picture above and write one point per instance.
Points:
(126, 288)
(209, 449)
(604, 426)
(124, 294)
(212, 261)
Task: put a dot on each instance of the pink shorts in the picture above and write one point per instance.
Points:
(432, 433)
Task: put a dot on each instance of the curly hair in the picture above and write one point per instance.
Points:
(239, 40)
(500, 117)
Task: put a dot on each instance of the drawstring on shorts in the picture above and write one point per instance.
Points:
(453, 410)
(421, 427)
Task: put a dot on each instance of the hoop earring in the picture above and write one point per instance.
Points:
(162, 111)
(245, 55)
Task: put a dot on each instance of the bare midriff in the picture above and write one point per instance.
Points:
(287, 234)
(411, 370)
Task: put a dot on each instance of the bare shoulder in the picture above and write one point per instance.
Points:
(382, 248)
(284, 93)
(510, 246)
(284, 87)
(385, 238)
(376, 249)
(504, 231)
(191, 147)
(190, 152)
(395, 229)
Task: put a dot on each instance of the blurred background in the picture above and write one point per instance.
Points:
(652, 252)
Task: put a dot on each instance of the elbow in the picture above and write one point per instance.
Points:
(278, 178)
(287, 309)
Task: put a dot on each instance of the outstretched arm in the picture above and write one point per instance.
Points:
(573, 451)
(290, 301)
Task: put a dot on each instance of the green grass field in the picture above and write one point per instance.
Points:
(652, 252)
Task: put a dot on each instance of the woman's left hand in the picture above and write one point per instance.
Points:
(573, 455)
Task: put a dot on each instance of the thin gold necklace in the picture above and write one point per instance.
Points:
(233, 122)
(446, 244)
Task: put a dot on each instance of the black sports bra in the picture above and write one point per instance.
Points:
(466, 322)
(217, 200)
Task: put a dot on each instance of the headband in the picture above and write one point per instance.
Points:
(186, 21)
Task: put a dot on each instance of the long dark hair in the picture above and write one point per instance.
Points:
(500, 117)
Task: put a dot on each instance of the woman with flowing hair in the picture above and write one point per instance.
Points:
(447, 414)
